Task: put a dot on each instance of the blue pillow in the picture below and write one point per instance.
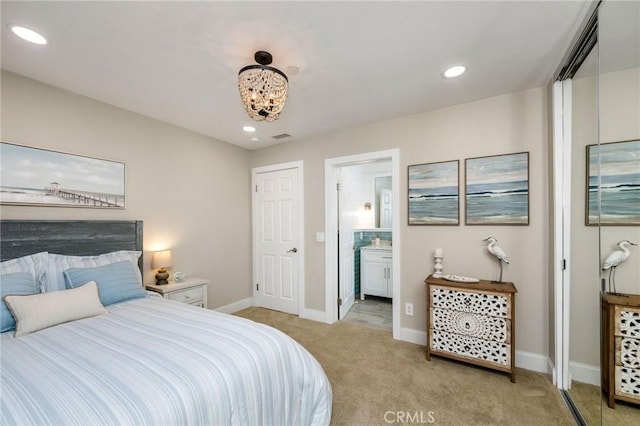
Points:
(117, 281)
(18, 283)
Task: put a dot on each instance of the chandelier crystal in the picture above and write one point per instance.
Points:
(263, 89)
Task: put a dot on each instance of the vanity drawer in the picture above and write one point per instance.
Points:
(376, 255)
(192, 295)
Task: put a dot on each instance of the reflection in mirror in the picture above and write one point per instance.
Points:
(366, 184)
(383, 196)
(619, 173)
(584, 340)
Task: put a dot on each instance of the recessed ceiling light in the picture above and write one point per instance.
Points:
(455, 71)
(28, 35)
(249, 128)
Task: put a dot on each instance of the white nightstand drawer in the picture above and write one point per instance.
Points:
(192, 291)
(190, 295)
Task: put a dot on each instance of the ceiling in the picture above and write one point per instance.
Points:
(359, 62)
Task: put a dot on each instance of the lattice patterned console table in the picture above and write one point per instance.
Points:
(620, 348)
(473, 323)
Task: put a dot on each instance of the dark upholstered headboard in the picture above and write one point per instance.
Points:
(71, 237)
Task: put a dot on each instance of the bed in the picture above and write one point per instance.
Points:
(149, 360)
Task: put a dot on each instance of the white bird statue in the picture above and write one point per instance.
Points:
(498, 253)
(615, 259)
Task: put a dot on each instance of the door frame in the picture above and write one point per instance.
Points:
(561, 93)
(255, 171)
(331, 230)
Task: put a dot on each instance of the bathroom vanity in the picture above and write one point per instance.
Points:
(376, 278)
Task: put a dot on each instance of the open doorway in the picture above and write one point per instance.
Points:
(354, 205)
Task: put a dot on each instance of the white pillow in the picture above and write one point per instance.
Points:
(54, 278)
(35, 264)
(37, 311)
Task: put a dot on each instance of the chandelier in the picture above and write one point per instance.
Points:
(263, 89)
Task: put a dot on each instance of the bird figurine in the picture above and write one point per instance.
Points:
(614, 259)
(498, 253)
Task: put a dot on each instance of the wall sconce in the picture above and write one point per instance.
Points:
(367, 206)
(161, 260)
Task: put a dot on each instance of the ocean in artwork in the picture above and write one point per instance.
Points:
(34, 176)
(506, 203)
(619, 201)
(439, 205)
(497, 190)
(619, 169)
(57, 196)
(434, 194)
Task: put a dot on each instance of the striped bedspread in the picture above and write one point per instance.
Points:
(152, 361)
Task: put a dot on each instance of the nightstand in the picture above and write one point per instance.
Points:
(192, 291)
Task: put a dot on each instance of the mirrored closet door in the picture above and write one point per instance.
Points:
(618, 169)
(583, 260)
(598, 294)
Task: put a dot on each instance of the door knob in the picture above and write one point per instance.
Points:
(293, 250)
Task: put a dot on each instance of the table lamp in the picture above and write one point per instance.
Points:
(161, 260)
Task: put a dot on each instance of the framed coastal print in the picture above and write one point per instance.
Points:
(434, 194)
(613, 183)
(40, 177)
(497, 190)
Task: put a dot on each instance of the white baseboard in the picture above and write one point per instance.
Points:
(314, 315)
(235, 306)
(412, 336)
(526, 360)
(584, 373)
(532, 361)
(551, 371)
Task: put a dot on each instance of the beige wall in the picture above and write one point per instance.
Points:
(191, 191)
(202, 181)
(505, 124)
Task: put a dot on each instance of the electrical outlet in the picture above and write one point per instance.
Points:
(408, 309)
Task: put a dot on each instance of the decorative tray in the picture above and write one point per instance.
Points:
(460, 279)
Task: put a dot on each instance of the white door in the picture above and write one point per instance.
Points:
(277, 265)
(346, 218)
(386, 206)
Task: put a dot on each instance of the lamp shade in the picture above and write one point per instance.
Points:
(161, 259)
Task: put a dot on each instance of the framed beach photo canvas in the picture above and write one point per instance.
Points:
(497, 190)
(40, 177)
(618, 166)
(434, 194)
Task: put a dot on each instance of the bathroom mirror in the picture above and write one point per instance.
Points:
(384, 200)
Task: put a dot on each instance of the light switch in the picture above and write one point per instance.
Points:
(320, 237)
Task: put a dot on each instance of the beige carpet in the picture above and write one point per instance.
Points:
(372, 374)
(593, 409)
